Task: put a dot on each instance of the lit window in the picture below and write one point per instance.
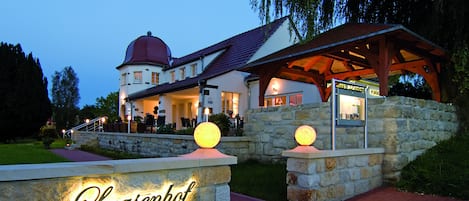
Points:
(155, 78)
(279, 100)
(296, 99)
(194, 70)
(138, 77)
(230, 103)
(124, 79)
(182, 72)
(173, 76)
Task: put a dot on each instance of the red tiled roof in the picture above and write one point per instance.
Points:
(237, 52)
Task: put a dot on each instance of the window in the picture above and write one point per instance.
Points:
(279, 100)
(296, 99)
(229, 103)
(194, 70)
(138, 77)
(182, 73)
(173, 76)
(155, 78)
(123, 79)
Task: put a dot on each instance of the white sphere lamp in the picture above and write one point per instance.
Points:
(305, 135)
(207, 135)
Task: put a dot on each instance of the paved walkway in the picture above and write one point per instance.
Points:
(78, 155)
(379, 194)
(391, 194)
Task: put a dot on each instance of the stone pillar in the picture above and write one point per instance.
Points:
(332, 175)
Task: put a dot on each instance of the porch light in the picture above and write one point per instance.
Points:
(103, 119)
(87, 121)
(207, 135)
(207, 112)
(275, 88)
(305, 135)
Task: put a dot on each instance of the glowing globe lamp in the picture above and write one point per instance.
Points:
(207, 135)
(305, 135)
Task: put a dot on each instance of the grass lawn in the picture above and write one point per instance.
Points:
(441, 170)
(263, 181)
(29, 152)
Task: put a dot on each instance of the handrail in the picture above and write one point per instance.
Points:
(95, 124)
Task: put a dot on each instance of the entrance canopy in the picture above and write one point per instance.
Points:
(353, 52)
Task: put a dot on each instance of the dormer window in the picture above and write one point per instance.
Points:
(138, 77)
(173, 76)
(194, 70)
(182, 73)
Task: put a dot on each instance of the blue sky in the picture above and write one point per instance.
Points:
(92, 36)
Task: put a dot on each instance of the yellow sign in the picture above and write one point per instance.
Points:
(100, 193)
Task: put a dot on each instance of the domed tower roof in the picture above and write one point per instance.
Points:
(147, 49)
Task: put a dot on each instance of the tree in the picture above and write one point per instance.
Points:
(87, 112)
(65, 98)
(24, 104)
(104, 107)
(440, 21)
(108, 106)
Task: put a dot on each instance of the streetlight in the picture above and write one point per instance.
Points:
(87, 121)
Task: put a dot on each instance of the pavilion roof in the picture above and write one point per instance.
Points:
(351, 52)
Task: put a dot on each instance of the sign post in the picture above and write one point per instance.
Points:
(349, 108)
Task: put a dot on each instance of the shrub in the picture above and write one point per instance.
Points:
(48, 135)
(222, 121)
(166, 129)
(187, 131)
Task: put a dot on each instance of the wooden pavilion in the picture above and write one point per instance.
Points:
(353, 52)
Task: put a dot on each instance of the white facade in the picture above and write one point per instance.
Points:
(228, 92)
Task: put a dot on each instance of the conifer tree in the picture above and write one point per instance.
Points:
(24, 102)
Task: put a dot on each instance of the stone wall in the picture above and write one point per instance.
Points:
(404, 127)
(332, 175)
(160, 145)
(185, 178)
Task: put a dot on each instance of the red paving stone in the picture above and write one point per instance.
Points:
(78, 155)
(240, 197)
(392, 194)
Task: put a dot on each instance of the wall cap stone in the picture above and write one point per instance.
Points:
(331, 153)
(69, 169)
(170, 136)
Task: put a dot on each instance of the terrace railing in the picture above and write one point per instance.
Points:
(95, 125)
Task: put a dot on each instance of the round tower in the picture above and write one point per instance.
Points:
(144, 61)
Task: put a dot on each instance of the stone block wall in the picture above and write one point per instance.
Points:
(177, 178)
(332, 175)
(404, 127)
(160, 145)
